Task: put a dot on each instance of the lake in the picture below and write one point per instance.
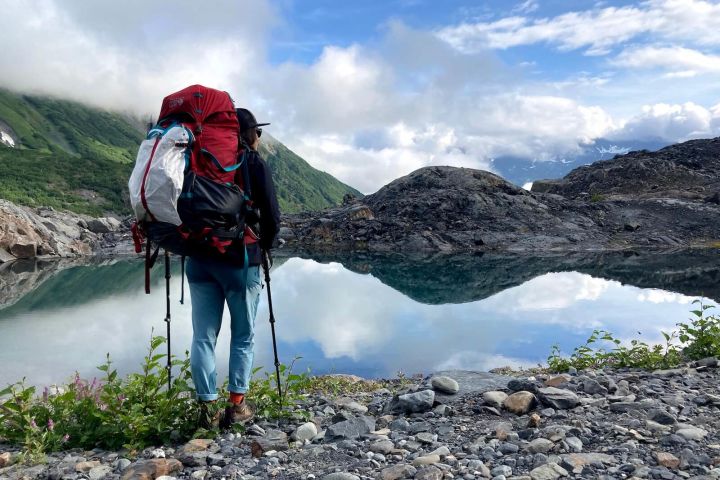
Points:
(364, 314)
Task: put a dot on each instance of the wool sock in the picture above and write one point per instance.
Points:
(236, 398)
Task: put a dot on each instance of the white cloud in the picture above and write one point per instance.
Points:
(528, 6)
(681, 62)
(364, 113)
(127, 55)
(597, 30)
(671, 123)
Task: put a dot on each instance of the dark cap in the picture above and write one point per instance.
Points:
(247, 120)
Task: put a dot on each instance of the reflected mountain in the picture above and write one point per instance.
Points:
(60, 283)
(441, 279)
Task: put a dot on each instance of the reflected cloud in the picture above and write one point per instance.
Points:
(469, 360)
(660, 296)
(358, 317)
(554, 291)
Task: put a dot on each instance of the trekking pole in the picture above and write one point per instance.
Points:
(167, 316)
(266, 267)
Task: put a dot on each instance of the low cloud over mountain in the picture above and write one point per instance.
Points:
(371, 92)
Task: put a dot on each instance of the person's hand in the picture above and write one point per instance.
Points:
(267, 258)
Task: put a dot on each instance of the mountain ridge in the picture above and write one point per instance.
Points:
(664, 199)
(100, 147)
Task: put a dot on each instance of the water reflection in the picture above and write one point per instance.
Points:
(363, 314)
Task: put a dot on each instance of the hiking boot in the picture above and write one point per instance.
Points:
(208, 416)
(238, 414)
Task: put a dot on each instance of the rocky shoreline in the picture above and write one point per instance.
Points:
(649, 200)
(28, 233)
(462, 425)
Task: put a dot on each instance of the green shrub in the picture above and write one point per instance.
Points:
(697, 339)
(110, 412)
(132, 412)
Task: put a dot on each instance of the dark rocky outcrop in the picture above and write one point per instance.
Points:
(687, 171)
(448, 209)
(642, 199)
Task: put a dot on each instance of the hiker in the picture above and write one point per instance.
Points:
(214, 282)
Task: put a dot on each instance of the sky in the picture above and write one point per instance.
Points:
(372, 90)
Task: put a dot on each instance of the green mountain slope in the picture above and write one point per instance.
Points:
(299, 185)
(74, 157)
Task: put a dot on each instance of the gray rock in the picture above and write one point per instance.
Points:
(340, 476)
(425, 437)
(710, 362)
(471, 382)
(576, 462)
(24, 249)
(306, 431)
(662, 417)
(540, 445)
(624, 407)
(121, 464)
(429, 473)
(273, 440)
(494, 398)
(103, 225)
(558, 398)
(100, 472)
(426, 460)
(574, 444)
(400, 424)
(444, 384)
(522, 384)
(416, 402)
(520, 403)
(442, 451)
(352, 405)
(690, 432)
(382, 446)
(593, 387)
(398, 472)
(501, 470)
(350, 429)
(549, 471)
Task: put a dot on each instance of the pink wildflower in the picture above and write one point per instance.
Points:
(51, 424)
(32, 423)
(65, 438)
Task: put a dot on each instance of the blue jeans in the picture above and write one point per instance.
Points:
(212, 283)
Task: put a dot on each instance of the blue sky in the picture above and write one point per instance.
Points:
(372, 90)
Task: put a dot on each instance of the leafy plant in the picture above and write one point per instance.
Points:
(268, 402)
(701, 336)
(697, 339)
(110, 412)
(597, 197)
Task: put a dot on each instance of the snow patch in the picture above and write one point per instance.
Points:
(528, 186)
(6, 139)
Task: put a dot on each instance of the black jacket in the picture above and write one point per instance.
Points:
(262, 194)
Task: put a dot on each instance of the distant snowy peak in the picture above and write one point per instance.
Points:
(612, 150)
(522, 171)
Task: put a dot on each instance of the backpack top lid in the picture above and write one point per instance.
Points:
(199, 103)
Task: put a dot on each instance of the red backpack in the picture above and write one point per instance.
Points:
(183, 188)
